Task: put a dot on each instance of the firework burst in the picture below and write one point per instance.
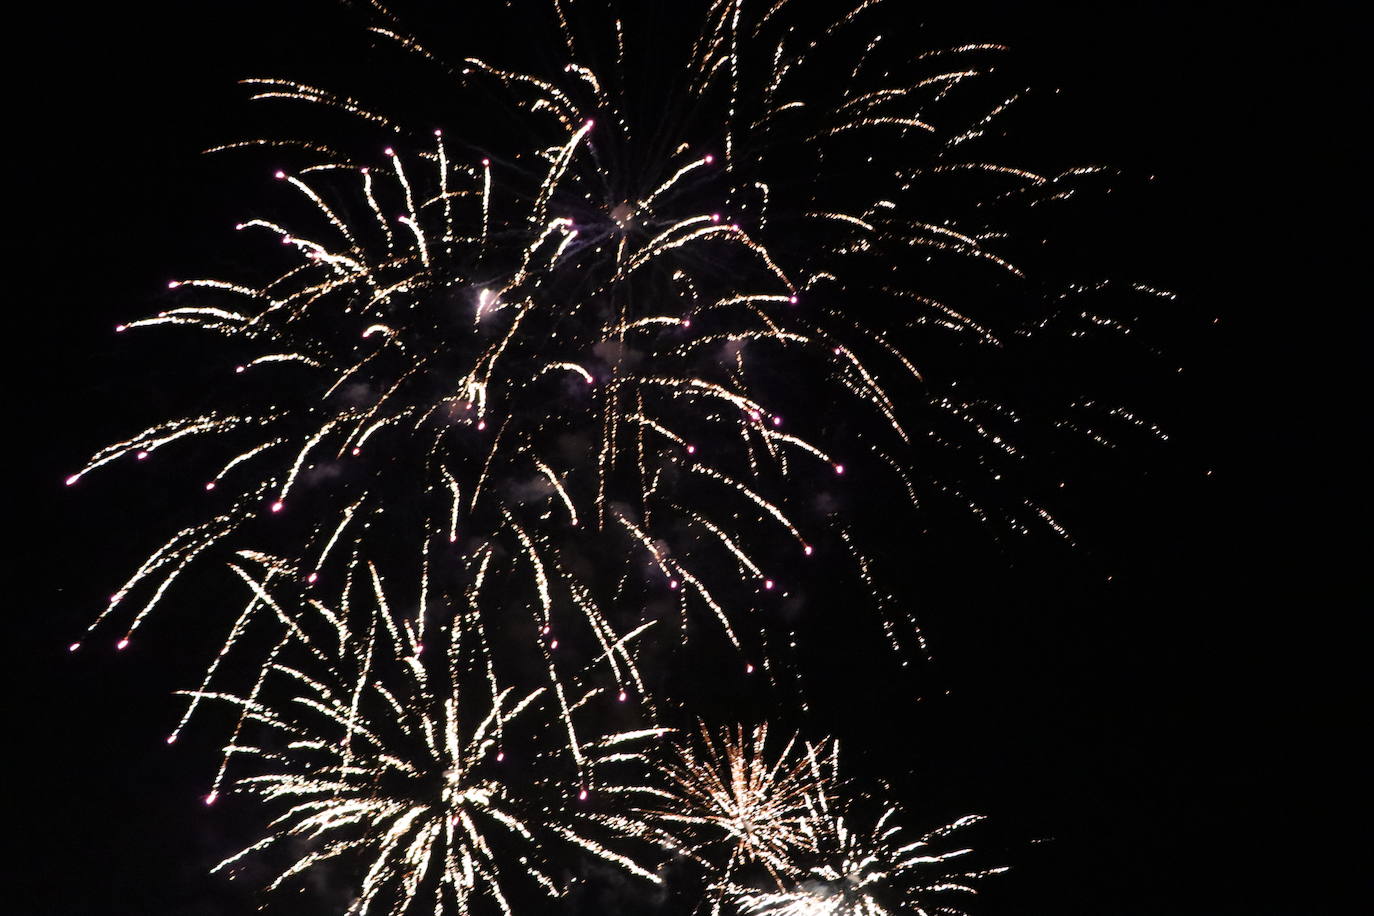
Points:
(869, 872)
(377, 755)
(742, 803)
(524, 363)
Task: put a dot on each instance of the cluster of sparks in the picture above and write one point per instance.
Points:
(540, 402)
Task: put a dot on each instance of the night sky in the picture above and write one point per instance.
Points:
(1157, 722)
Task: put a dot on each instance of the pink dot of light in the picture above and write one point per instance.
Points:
(582, 795)
(715, 217)
(554, 644)
(210, 799)
(691, 449)
(73, 647)
(777, 421)
(278, 506)
(73, 479)
(839, 469)
(672, 583)
(453, 538)
(279, 175)
(481, 424)
(173, 284)
(209, 485)
(438, 132)
(710, 159)
(768, 584)
(500, 755)
(808, 550)
(486, 162)
(141, 455)
(389, 151)
(171, 739)
(121, 328)
(749, 669)
(312, 578)
(622, 696)
(792, 300)
(122, 644)
(357, 451)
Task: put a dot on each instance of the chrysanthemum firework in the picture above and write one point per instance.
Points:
(619, 356)
(397, 763)
(739, 802)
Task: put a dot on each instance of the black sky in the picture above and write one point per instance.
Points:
(1180, 736)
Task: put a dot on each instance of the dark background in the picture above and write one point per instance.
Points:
(1174, 740)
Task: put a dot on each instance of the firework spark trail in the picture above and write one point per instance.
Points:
(375, 752)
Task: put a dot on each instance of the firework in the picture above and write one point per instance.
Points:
(869, 873)
(736, 792)
(560, 379)
(376, 754)
(543, 399)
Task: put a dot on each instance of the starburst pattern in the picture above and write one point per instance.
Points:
(380, 757)
(741, 802)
